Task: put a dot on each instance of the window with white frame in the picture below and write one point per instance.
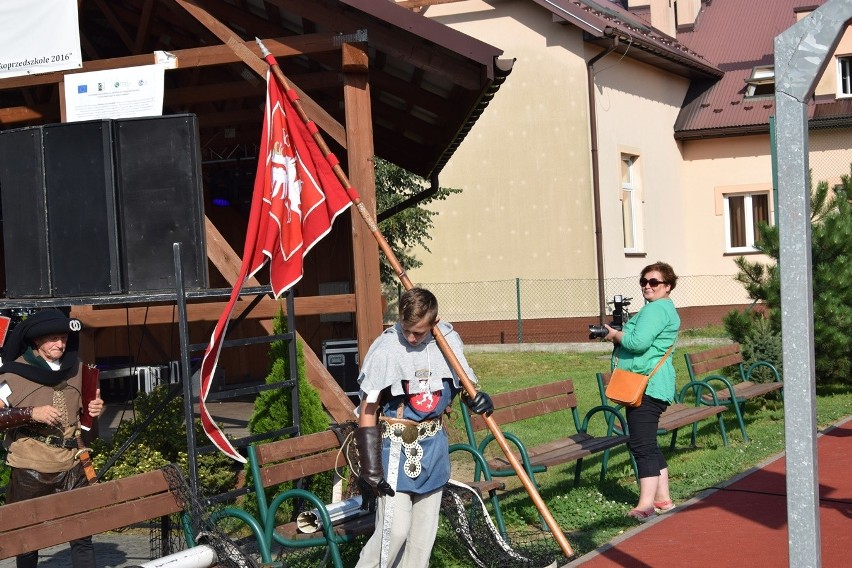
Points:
(743, 212)
(761, 82)
(630, 202)
(844, 76)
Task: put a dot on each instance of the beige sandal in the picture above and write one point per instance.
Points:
(664, 506)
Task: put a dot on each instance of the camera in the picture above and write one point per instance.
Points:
(619, 317)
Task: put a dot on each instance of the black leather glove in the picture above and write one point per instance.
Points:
(368, 440)
(368, 496)
(480, 404)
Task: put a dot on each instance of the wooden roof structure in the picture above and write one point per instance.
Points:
(428, 82)
(377, 78)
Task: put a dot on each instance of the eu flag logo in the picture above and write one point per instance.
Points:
(82, 89)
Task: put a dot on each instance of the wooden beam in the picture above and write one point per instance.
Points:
(365, 250)
(223, 257)
(250, 56)
(267, 309)
(419, 53)
(213, 55)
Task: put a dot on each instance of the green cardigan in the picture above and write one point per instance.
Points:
(647, 337)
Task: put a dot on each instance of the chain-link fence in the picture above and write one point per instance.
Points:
(556, 311)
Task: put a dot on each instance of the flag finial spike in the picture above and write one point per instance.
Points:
(263, 51)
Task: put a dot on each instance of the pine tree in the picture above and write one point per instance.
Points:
(831, 250)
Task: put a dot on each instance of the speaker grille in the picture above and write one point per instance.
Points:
(158, 165)
(82, 232)
(22, 188)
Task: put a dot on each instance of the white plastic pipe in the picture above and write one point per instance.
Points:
(201, 556)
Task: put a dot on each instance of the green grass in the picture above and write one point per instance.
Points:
(594, 513)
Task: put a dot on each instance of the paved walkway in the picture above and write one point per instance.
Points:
(111, 551)
(744, 523)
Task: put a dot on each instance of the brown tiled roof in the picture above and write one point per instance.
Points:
(735, 36)
(604, 20)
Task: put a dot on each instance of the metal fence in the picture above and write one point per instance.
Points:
(544, 311)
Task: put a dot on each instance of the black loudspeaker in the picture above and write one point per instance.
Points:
(23, 192)
(158, 172)
(81, 216)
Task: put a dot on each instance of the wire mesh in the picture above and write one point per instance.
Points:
(557, 311)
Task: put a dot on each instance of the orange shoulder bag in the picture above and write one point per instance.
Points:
(627, 387)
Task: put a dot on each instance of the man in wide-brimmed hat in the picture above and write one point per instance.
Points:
(40, 408)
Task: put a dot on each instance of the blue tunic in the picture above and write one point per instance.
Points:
(435, 465)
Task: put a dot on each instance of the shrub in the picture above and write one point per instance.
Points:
(162, 442)
(273, 411)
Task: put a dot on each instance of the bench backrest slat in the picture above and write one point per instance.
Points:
(715, 353)
(529, 402)
(73, 503)
(275, 473)
(51, 533)
(715, 364)
(295, 447)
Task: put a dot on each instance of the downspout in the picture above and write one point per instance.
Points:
(596, 184)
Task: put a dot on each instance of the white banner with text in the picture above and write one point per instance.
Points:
(38, 37)
(128, 92)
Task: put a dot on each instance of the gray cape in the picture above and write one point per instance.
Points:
(391, 360)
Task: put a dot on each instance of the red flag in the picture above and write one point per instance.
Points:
(296, 198)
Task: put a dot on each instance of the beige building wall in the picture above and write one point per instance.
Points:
(637, 106)
(713, 168)
(526, 208)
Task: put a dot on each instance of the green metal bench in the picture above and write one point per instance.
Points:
(743, 389)
(680, 413)
(543, 400)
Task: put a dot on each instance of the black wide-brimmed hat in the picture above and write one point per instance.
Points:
(48, 322)
(41, 324)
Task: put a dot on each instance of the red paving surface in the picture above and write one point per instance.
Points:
(745, 524)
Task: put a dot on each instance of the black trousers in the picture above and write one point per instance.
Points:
(643, 422)
(27, 483)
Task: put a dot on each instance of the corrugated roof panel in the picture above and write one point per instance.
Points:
(736, 36)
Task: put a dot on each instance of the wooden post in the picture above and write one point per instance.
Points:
(365, 253)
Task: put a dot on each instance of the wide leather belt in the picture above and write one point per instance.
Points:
(408, 434)
(409, 431)
(50, 439)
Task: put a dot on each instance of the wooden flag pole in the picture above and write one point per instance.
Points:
(445, 348)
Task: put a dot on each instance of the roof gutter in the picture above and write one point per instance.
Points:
(502, 68)
(596, 183)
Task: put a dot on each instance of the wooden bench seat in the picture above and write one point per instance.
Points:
(572, 445)
(681, 413)
(46, 521)
(729, 357)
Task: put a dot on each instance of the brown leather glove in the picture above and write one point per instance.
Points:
(15, 416)
(368, 440)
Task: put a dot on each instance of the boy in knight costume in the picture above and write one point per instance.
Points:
(405, 387)
(40, 410)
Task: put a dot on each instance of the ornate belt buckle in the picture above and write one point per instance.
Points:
(409, 434)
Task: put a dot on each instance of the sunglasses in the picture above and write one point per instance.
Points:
(653, 282)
